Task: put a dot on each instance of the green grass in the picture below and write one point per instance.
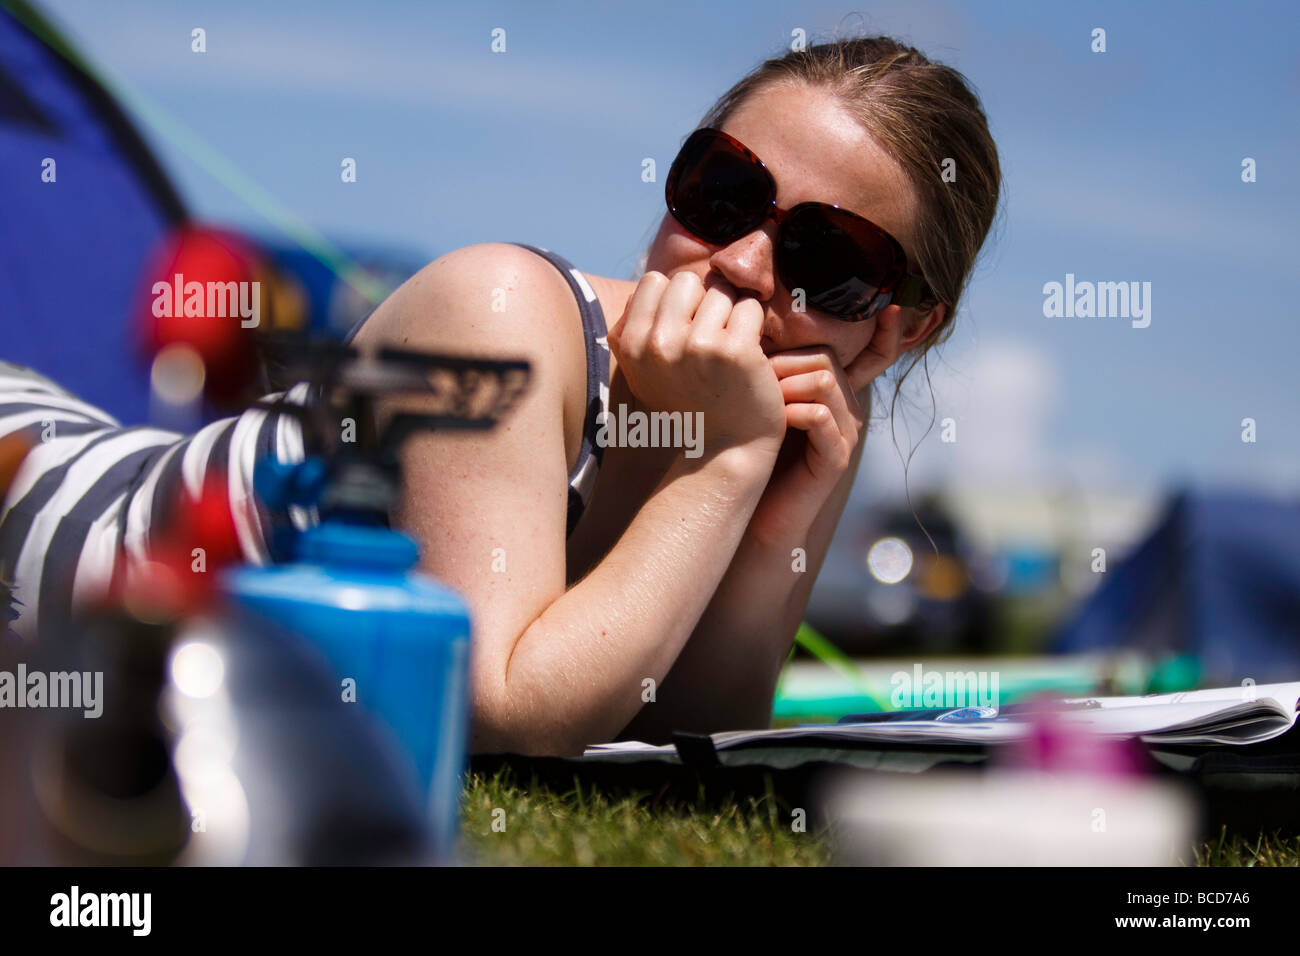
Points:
(586, 828)
(1271, 849)
(582, 827)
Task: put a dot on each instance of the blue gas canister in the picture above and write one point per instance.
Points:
(397, 640)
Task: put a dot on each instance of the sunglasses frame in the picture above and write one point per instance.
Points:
(909, 289)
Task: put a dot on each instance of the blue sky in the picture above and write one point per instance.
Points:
(1122, 166)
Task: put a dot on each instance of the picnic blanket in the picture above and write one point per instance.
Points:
(1252, 786)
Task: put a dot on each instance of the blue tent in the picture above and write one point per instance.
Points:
(74, 236)
(1218, 578)
(332, 307)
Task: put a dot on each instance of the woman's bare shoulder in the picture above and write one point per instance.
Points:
(490, 298)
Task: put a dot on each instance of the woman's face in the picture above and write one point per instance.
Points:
(817, 152)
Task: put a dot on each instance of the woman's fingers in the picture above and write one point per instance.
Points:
(684, 348)
(827, 441)
(665, 341)
(745, 323)
(801, 361)
(881, 352)
(820, 386)
(714, 309)
(813, 374)
(823, 388)
(638, 317)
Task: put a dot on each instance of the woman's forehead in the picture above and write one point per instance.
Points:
(819, 152)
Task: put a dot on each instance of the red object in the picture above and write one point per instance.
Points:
(207, 522)
(13, 449)
(179, 576)
(188, 300)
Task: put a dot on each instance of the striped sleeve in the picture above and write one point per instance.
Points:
(90, 492)
(229, 450)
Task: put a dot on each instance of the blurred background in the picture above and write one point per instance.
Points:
(1097, 520)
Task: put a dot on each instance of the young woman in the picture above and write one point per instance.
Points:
(821, 224)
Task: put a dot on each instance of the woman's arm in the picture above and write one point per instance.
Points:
(554, 670)
(726, 676)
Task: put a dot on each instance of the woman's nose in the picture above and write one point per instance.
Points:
(747, 264)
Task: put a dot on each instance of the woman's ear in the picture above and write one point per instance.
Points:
(920, 324)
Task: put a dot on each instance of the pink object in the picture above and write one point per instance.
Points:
(1055, 744)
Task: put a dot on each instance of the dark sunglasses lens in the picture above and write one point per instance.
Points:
(840, 261)
(717, 192)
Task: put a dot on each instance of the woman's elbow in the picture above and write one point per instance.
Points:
(493, 736)
(502, 723)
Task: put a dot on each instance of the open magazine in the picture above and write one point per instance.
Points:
(1220, 715)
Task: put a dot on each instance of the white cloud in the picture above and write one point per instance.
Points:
(1003, 407)
(1003, 397)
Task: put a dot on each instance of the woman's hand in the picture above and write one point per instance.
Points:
(826, 423)
(686, 349)
(826, 413)
(881, 352)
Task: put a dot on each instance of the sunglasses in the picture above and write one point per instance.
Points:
(847, 266)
